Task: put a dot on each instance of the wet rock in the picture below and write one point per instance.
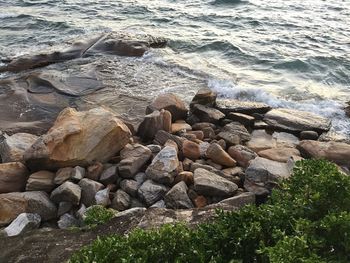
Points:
(151, 192)
(177, 197)
(13, 147)
(67, 221)
(308, 135)
(171, 103)
(41, 181)
(234, 133)
(102, 197)
(121, 201)
(154, 122)
(280, 154)
(337, 152)
(64, 207)
(13, 204)
(242, 155)
(94, 171)
(164, 166)
(241, 200)
(207, 114)
(191, 150)
(204, 96)
(219, 156)
(296, 121)
(244, 119)
(23, 223)
(186, 177)
(210, 184)
(67, 192)
(62, 145)
(130, 186)
(245, 107)
(263, 174)
(261, 140)
(63, 175)
(109, 176)
(89, 188)
(13, 177)
(134, 157)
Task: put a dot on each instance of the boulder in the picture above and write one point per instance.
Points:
(109, 176)
(296, 121)
(102, 133)
(64, 207)
(89, 188)
(177, 197)
(263, 174)
(234, 133)
(164, 166)
(151, 192)
(41, 181)
(134, 157)
(13, 177)
(246, 107)
(261, 140)
(284, 139)
(67, 192)
(23, 223)
(239, 201)
(171, 103)
(279, 154)
(207, 114)
(337, 152)
(219, 156)
(121, 201)
(63, 175)
(210, 184)
(191, 150)
(204, 96)
(13, 204)
(13, 147)
(154, 122)
(102, 197)
(242, 155)
(130, 186)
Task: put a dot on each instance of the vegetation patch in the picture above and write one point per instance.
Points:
(306, 219)
(97, 214)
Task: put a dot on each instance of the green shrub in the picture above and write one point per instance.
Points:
(307, 219)
(97, 214)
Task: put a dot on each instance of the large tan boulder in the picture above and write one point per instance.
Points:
(78, 139)
(13, 177)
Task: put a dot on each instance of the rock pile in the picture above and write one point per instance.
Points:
(222, 152)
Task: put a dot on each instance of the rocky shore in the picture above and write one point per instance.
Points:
(216, 152)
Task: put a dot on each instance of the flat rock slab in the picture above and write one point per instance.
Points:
(296, 121)
(246, 107)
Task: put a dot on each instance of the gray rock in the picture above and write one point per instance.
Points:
(177, 197)
(308, 135)
(78, 173)
(134, 157)
(41, 181)
(121, 201)
(246, 107)
(102, 197)
(67, 221)
(109, 176)
(159, 204)
(164, 166)
(296, 121)
(241, 200)
(151, 192)
(284, 139)
(261, 140)
(263, 174)
(130, 186)
(67, 192)
(23, 223)
(210, 184)
(234, 133)
(154, 148)
(81, 213)
(243, 155)
(136, 203)
(13, 147)
(244, 119)
(64, 207)
(207, 114)
(89, 188)
(140, 178)
(63, 175)
(209, 168)
(162, 137)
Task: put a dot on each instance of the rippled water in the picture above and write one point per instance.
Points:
(287, 53)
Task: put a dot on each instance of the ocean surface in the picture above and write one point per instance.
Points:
(287, 53)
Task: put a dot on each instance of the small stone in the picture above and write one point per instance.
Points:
(215, 165)
(203, 125)
(199, 134)
(121, 201)
(154, 122)
(41, 181)
(109, 176)
(13, 177)
(140, 178)
(154, 148)
(219, 156)
(89, 188)
(63, 174)
(67, 221)
(204, 96)
(78, 173)
(203, 147)
(207, 114)
(308, 135)
(162, 137)
(102, 197)
(22, 224)
(260, 125)
(186, 163)
(234, 133)
(191, 150)
(244, 119)
(239, 201)
(200, 201)
(242, 155)
(67, 192)
(186, 177)
(136, 203)
(177, 197)
(177, 127)
(130, 186)
(94, 171)
(151, 192)
(188, 136)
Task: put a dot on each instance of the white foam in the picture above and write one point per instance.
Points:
(8, 15)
